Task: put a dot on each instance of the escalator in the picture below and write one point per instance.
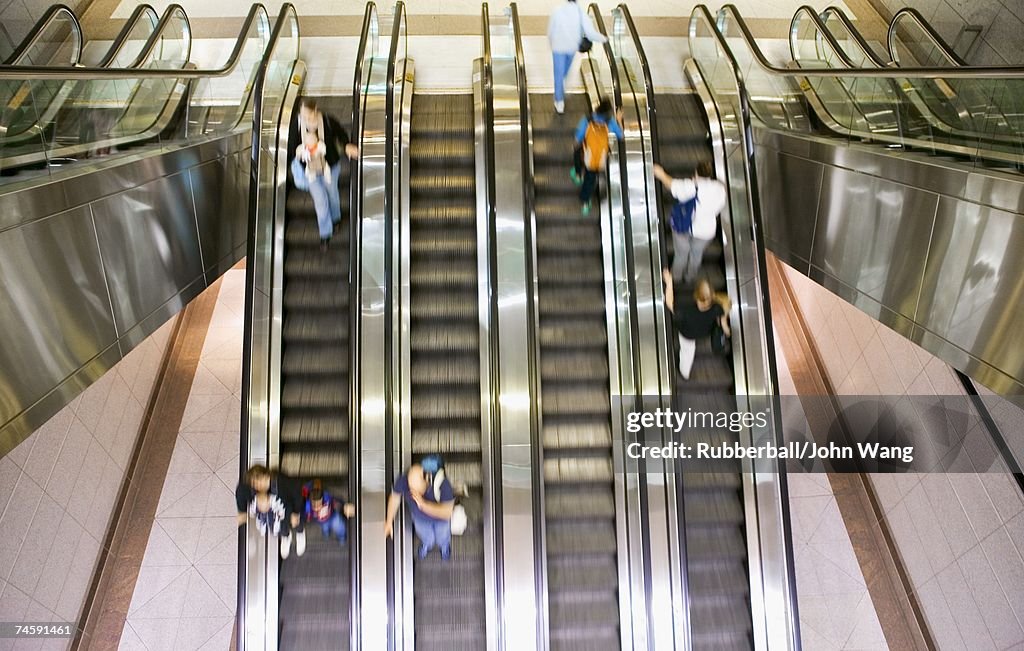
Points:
(445, 359)
(55, 40)
(714, 520)
(579, 493)
(315, 589)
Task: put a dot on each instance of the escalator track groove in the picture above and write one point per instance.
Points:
(717, 570)
(579, 503)
(445, 360)
(315, 589)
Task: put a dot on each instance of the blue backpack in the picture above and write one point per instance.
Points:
(682, 215)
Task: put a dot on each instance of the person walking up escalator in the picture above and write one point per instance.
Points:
(590, 153)
(316, 141)
(569, 31)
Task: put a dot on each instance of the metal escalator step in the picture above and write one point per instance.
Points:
(717, 509)
(581, 537)
(314, 263)
(315, 328)
(441, 402)
(445, 368)
(321, 464)
(445, 638)
(459, 243)
(444, 152)
(591, 364)
(434, 304)
(456, 274)
(704, 544)
(578, 470)
(453, 337)
(570, 237)
(721, 641)
(445, 440)
(586, 574)
(446, 215)
(722, 576)
(558, 208)
(576, 400)
(306, 359)
(443, 183)
(559, 301)
(580, 505)
(318, 393)
(563, 334)
(316, 293)
(700, 482)
(720, 613)
(553, 178)
(574, 435)
(313, 428)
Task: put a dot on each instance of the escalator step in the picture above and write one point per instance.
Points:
(315, 328)
(313, 428)
(313, 360)
(578, 470)
(319, 393)
(325, 463)
(580, 505)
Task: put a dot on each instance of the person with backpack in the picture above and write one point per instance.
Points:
(591, 149)
(430, 498)
(707, 316)
(569, 31)
(327, 511)
(694, 217)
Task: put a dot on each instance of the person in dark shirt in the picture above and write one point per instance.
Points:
(284, 491)
(327, 511)
(430, 505)
(316, 141)
(695, 320)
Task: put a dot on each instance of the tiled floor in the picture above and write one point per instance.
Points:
(836, 610)
(185, 595)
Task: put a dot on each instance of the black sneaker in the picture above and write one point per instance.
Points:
(324, 241)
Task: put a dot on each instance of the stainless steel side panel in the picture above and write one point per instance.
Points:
(147, 253)
(93, 262)
(519, 606)
(929, 248)
(54, 308)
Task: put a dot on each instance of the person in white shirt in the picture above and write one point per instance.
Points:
(567, 26)
(711, 197)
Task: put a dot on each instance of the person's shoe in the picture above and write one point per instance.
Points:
(286, 546)
(446, 553)
(585, 209)
(324, 241)
(577, 180)
(559, 107)
(337, 227)
(423, 551)
(300, 543)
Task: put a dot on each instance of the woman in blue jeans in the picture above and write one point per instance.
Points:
(310, 125)
(567, 26)
(431, 510)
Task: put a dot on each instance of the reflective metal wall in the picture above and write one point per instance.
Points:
(95, 262)
(930, 250)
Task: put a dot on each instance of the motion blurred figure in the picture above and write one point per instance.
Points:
(569, 31)
(430, 498)
(276, 501)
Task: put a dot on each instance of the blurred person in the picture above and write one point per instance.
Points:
(694, 218)
(697, 320)
(569, 31)
(311, 135)
(263, 486)
(326, 510)
(590, 153)
(430, 498)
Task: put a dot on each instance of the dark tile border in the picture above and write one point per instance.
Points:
(892, 594)
(117, 570)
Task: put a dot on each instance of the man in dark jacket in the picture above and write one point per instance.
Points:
(285, 493)
(317, 141)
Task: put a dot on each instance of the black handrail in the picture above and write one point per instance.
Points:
(39, 73)
(819, 27)
(287, 10)
(915, 15)
(701, 12)
(493, 344)
(993, 428)
(173, 12)
(532, 326)
(630, 273)
(42, 24)
(389, 295)
(355, 230)
(122, 37)
(853, 31)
